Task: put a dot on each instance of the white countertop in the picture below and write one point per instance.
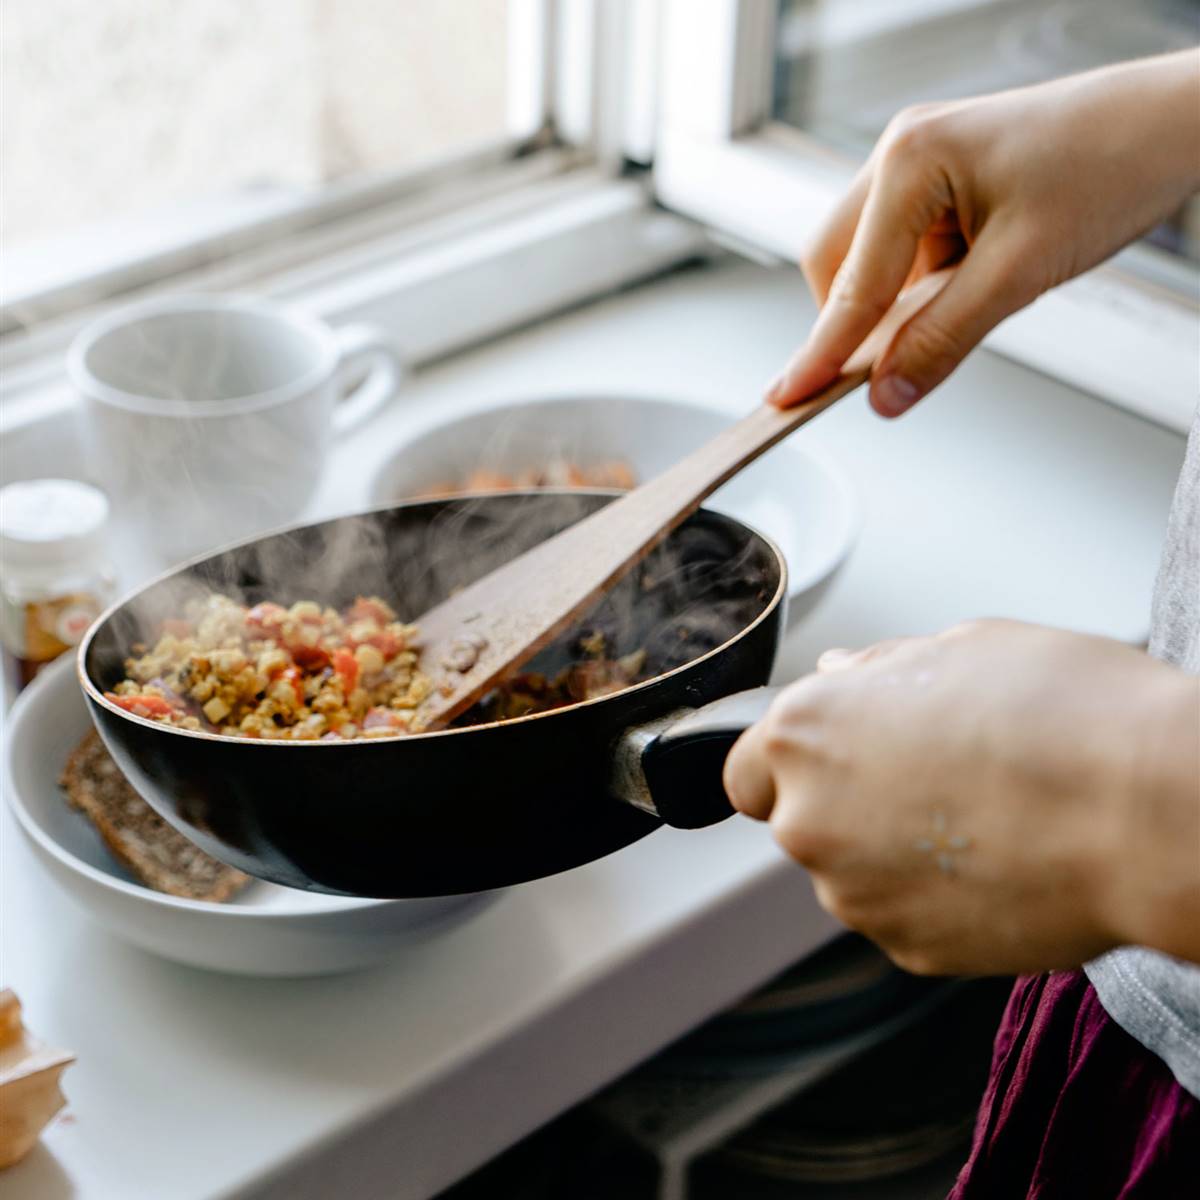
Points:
(1007, 494)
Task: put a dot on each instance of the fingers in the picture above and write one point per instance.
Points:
(749, 781)
(988, 286)
(902, 201)
(772, 744)
(936, 250)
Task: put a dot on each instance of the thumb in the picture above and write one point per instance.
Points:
(991, 283)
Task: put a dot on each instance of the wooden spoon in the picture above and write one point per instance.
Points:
(487, 630)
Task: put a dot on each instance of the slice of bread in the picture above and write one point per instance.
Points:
(156, 853)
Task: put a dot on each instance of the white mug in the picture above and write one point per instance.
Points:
(209, 418)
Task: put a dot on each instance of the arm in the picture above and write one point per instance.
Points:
(999, 798)
(1028, 188)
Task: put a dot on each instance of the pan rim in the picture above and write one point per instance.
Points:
(96, 697)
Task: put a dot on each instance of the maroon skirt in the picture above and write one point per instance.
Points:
(1076, 1108)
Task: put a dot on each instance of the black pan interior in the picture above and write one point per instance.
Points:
(708, 581)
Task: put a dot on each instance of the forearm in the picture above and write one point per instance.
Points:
(1148, 112)
(1177, 119)
(1123, 152)
(1154, 897)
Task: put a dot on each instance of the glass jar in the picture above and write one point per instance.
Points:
(55, 577)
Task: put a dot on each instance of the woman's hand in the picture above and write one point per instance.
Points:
(999, 798)
(1028, 188)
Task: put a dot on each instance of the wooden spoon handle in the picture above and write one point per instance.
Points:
(490, 628)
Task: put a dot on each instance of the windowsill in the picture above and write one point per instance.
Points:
(426, 266)
(53, 265)
(269, 224)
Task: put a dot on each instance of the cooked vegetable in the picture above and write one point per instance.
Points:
(303, 672)
(310, 673)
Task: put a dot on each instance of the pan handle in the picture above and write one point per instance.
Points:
(671, 768)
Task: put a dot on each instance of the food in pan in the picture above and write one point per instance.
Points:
(150, 849)
(559, 472)
(303, 672)
(594, 675)
(308, 673)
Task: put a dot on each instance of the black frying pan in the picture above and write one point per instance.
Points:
(476, 807)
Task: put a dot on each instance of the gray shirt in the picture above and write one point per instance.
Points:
(1150, 995)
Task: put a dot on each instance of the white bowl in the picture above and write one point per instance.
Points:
(794, 495)
(265, 930)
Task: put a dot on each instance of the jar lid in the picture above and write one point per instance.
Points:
(45, 522)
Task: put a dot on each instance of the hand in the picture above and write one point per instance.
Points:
(1028, 188)
(999, 798)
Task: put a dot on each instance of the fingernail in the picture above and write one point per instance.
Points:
(834, 658)
(775, 387)
(893, 394)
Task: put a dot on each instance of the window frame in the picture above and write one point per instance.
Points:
(421, 250)
(721, 159)
(137, 251)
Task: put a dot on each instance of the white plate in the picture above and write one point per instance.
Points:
(265, 930)
(796, 497)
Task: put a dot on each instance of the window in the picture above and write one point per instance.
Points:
(768, 105)
(142, 139)
(124, 108)
(371, 160)
(843, 67)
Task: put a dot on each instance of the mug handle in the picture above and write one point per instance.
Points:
(370, 342)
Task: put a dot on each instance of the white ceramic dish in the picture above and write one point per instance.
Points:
(793, 495)
(265, 930)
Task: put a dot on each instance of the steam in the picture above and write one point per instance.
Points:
(205, 469)
(699, 588)
(211, 481)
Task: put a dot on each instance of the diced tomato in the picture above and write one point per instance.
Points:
(265, 620)
(171, 696)
(381, 718)
(346, 665)
(142, 705)
(179, 629)
(292, 675)
(386, 642)
(369, 610)
(311, 658)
